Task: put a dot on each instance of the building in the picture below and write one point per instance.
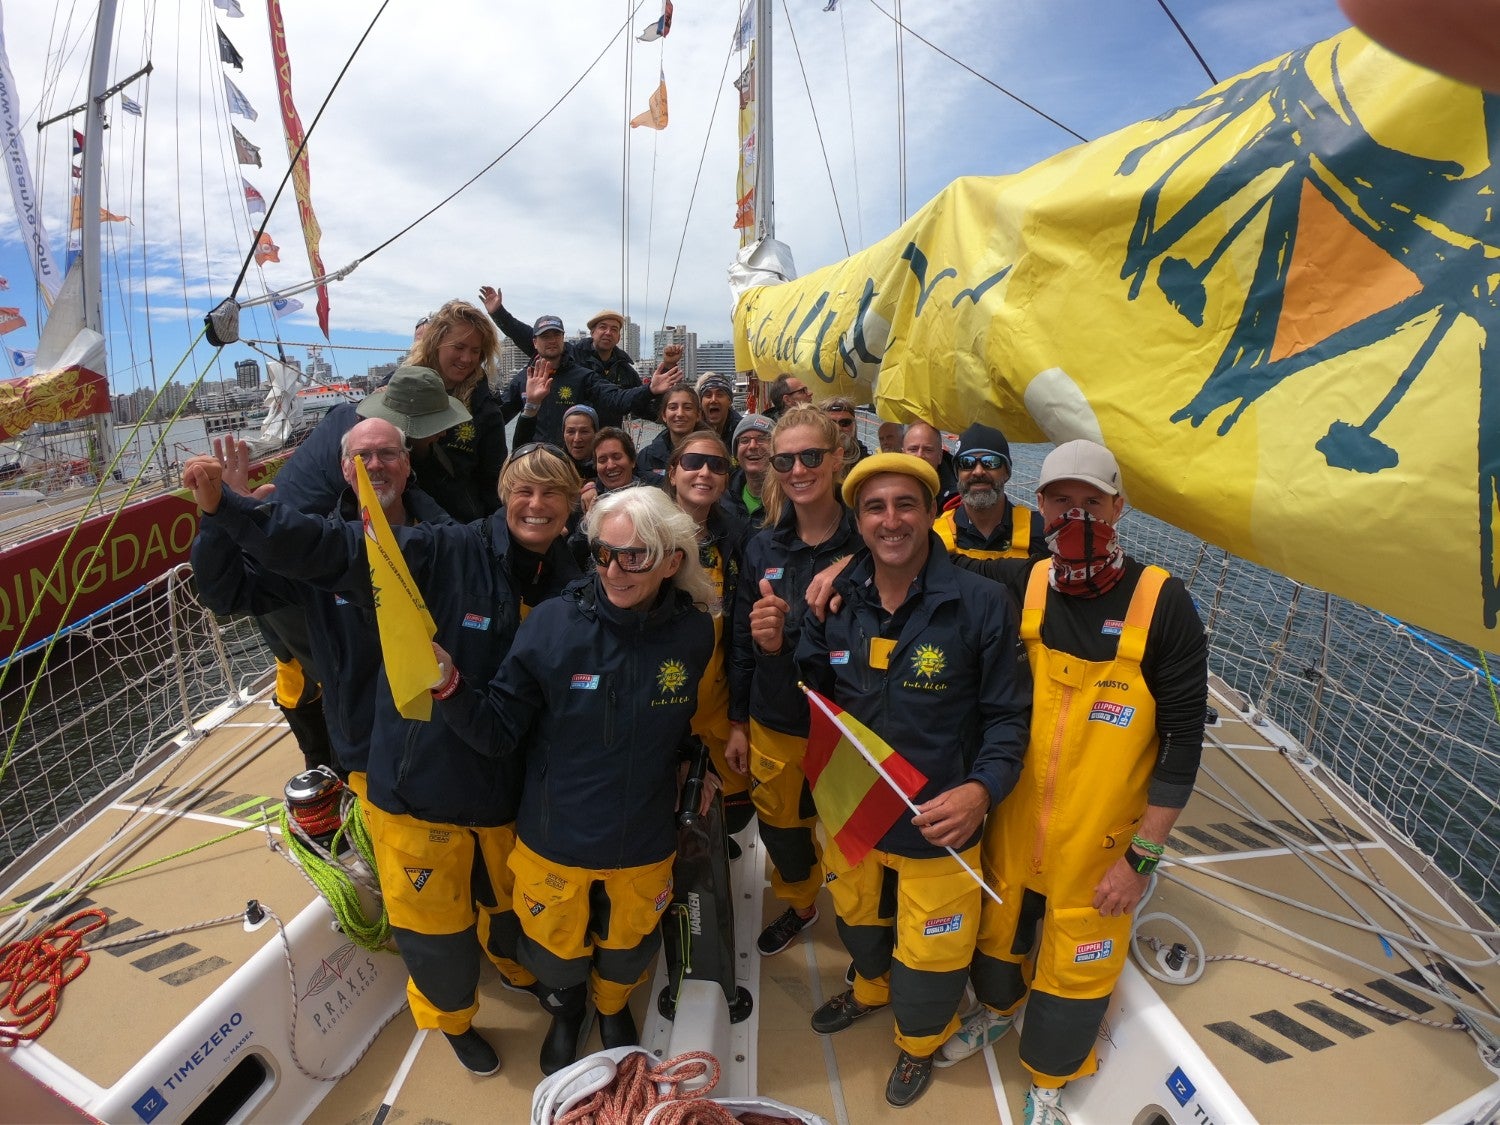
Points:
(247, 374)
(630, 340)
(716, 356)
(511, 360)
(319, 370)
(679, 334)
(380, 374)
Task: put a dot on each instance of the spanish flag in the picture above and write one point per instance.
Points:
(859, 783)
(406, 627)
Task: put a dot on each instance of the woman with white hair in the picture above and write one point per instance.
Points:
(597, 696)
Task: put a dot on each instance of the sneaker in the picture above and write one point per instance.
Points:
(1044, 1107)
(477, 1056)
(780, 933)
(909, 1080)
(981, 1030)
(840, 1012)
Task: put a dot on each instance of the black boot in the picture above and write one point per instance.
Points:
(618, 1030)
(569, 1008)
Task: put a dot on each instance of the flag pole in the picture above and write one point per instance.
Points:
(817, 701)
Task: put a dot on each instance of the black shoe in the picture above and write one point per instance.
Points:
(783, 931)
(909, 1080)
(840, 1012)
(477, 1056)
(564, 1038)
(618, 1030)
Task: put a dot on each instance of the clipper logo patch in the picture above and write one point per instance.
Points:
(475, 621)
(948, 924)
(418, 876)
(1112, 627)
(1094, 951)
(1115, 714)
(663, 898)
(839, 656)
(582, 681)
(773, 573)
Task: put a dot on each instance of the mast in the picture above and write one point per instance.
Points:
(765, 150)
(90, 261)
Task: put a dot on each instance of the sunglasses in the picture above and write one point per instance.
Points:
(533, 446)
(812, 458)
(692, 462)
(991, 461)
(632, 560)
(844, 423)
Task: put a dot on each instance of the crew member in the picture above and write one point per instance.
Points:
(981, 521)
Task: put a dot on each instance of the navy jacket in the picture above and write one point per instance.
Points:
(766, 687)
(343, 635)
(954, 699)
(619, 369)
(598, 703)
(474, 582)
(572, 385)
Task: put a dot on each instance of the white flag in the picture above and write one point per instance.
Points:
(22, 357)
(130, 105)
(232, 7)
(238, 103)
(285, 306)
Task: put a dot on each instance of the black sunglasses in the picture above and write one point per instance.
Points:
(991, 461)
(632, 560)
(533, 446)
(844, 423)
(692, 462)
(812, 458)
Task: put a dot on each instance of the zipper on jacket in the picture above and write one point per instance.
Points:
(1049, 785)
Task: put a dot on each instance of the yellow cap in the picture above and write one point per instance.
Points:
(903, 463)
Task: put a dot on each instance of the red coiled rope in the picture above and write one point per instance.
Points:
(46, 963)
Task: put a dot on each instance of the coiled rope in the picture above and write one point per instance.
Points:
(42, 966)
(332, 880)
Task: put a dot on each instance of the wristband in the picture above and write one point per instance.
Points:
(1151, 847)
(1140, 862)
(449, 685)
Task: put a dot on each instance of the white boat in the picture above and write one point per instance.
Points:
(1341, 849)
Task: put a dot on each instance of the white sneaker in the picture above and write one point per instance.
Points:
(1044, 1107)
(983, 1028)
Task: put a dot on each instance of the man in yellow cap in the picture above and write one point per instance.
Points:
(929, 659)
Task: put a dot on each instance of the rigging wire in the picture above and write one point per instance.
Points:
(822, 147)
(504, 153)
(1188, 40)
(983, 78)
(900, 115)
(625, 132)
(698, 175)
(859, 206)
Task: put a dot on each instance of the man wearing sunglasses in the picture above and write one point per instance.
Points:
(841, 410)
(981, 522)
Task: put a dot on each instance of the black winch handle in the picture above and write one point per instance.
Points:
(692, 789)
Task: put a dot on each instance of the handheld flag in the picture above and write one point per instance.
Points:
(655, 116)
(659, 29)
(859, 783)
(405, 625)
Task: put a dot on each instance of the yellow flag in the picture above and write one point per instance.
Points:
(405, 625)
(655, 116)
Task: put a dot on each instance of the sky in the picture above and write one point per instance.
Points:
(438, 91)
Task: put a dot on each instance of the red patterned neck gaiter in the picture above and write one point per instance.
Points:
(1087, 559)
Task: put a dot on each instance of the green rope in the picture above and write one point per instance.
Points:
(333, 881)
(1489, 681)
(104, 879)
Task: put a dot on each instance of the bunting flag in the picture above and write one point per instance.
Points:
(230, 8)
(406, 627)
(76, 216)
(745, 84)
(244, 151)
(10, 320)
(255, 203)
(111, 217)
(859, 783)
(77, 143)
(291, 126)
(1306, 262)
(22, 357)
(831, 6)
(658, 30)
(227, 53)
(285, 306)
(745, 171)
(130, 105)
(744, 211)
(238, 103)
(22, 189)
(745, 33)
(266, 250)
(4, 284)
(655, 116)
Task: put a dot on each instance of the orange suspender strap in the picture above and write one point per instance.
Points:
(946, 529)
(1138, 616)
(1020, 529)
(1036, 601)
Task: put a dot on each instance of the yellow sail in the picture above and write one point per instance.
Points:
(1272, 303)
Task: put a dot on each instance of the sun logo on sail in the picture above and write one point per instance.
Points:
(928, 661)
(671, 676)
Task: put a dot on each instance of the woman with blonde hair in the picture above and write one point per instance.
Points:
(597, 696)
(460, 471)
(806, 528)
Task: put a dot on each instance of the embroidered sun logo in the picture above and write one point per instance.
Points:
(671, 676)
(928, 661)
(565, 394)
(464, 434)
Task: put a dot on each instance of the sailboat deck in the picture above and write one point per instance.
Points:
(1268, 1033)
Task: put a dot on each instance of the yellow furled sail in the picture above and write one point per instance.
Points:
(1273, 303)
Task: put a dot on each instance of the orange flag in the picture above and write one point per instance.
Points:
(266, 250)
(656, 116)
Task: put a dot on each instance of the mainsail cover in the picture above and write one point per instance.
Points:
(1273, 303)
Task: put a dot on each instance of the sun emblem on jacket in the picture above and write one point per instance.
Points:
(928, 661)
(565, 394)
(671, 676)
